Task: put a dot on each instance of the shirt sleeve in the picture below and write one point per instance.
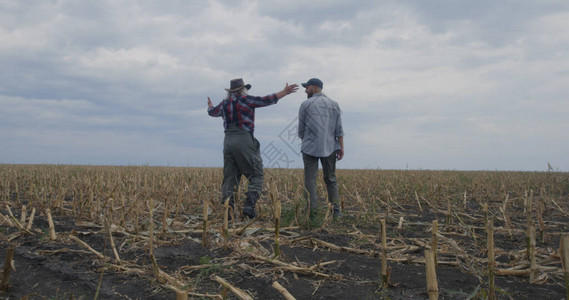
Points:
(215, 111)
(301, 124)
(339, 130)
(255, 101)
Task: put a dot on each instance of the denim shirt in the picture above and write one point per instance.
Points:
(319, 125)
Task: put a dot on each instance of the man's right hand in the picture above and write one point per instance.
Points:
(209, 103)
(340, 154)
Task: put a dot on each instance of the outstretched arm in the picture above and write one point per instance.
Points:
(213, 111)
(289, 89)
(255, 101)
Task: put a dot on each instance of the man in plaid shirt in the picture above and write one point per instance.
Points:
(241, 150)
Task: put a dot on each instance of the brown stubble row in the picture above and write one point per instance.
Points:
(149, 201)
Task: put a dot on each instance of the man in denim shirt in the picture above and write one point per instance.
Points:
(321, 132)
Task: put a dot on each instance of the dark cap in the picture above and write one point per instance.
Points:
(237, 84)
(315, 82)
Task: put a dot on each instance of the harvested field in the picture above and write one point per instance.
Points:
(84, 232)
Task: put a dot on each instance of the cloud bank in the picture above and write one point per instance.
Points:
(422, 85)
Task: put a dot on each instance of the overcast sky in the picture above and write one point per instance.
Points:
(464, 85)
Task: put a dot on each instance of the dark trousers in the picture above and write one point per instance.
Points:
(329, 172)
(241, 156)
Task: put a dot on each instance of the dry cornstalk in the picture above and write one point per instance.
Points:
(283, 291)
(532, 259)
(525, 201)
(540, 207)
(15, 221)
(328, 216)
(491, 260)
(432, 284)
(520, 270)
(418, 201)
(513, 272)
(205, 214)
(503, 211)
(241, 230)
(449, 213)
(151, 224)
(190, 268)
(300, 239)
(31, 219)
(384, 273)
(136, 215)
(187, 231)
(164, 277)
(292, 268)
(235, 290)
(225, 228)
(127, 270)
(361, 202)
(461, 253)
(400, 225)
(388, 205)
(435, 240)
(277, 213)
(200, 296)
(6, 220)
(564, 254)
(23, 215)
(226, 215)
(485, 213)
(165, 215)
(181, 295)
(112, 242)
(51, 226)
(281, 229)
(338, 248)
(86, 246)
(8, 267)
(559, 207)
(529, 223)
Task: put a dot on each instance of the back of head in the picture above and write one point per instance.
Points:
(314, 82)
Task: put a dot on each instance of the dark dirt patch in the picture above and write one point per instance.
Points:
(48, 269)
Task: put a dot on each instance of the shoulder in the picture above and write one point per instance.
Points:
(306, 102)
(334, 103)
(327, 98)
(246, 99)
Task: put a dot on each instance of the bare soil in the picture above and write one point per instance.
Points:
(62, 269)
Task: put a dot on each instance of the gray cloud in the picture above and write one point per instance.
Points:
(433, 85)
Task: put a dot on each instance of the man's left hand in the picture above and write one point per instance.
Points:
(289, 89)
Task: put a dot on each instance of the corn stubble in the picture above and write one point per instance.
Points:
(150, 206)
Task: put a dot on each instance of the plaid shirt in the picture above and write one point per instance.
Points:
(240, 110)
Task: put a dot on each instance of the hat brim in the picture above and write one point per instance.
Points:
(247, 86)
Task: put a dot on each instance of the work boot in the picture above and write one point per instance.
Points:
(337, 212)
(249, 209)
(313, 215)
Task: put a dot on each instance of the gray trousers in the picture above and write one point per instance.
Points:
(241, 156)
(329, 172)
